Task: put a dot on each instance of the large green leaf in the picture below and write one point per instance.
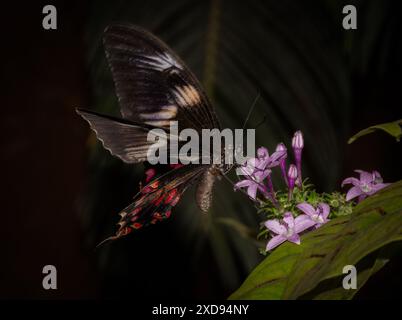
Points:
(340, 293)
(392, 128)
(292, 271)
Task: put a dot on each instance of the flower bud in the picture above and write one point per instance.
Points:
(297, 145)
(292, 176)
(292, 172)
(298, 141)
(282, 148)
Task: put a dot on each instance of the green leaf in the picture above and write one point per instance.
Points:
(340, 293)
(292, 271)
(392, 128)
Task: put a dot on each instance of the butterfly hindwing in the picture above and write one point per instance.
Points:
(156, 199)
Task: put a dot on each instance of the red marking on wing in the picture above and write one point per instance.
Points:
(150, 188)
(172, 195)
(150, 174)
(175, 200)
(136, 225)
(176, 166)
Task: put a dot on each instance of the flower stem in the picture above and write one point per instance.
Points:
(272, 191)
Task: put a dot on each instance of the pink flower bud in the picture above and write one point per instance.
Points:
(292, 172)
(292, 176)
(298, 141)
(297, 145)
(282, 148)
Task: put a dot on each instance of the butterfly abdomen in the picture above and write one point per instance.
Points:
(204, 188)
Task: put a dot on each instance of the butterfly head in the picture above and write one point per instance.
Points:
(220, 169)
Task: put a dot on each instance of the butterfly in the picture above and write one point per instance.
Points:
(154, 87)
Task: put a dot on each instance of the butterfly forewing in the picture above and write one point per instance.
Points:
(153, 85)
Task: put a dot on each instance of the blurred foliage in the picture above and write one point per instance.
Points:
(296, 55)
(292, 271)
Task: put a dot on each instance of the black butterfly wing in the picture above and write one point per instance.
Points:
(122, 138)
(152, 84)
(156, 199)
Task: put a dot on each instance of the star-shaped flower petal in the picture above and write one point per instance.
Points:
(318, 215)
(287, 229)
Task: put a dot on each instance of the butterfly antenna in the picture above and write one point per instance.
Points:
(245, 122)
(262, 121)
(251, 109)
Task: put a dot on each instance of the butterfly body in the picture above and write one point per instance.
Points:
(154, 87)
(205, 187)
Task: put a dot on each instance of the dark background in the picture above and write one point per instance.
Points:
(61, 191)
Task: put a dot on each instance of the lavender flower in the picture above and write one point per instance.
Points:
(367, 184)
(298, 145)
(257, 170)
(288, 229)
(292, 176)
(254, 178)
(319, 215)
(282, 163)
(376, 176)
(267, 161)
